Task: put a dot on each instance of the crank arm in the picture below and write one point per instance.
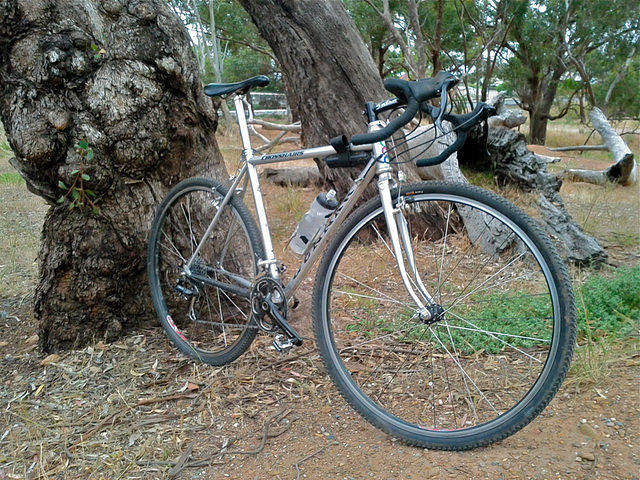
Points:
(279, 320)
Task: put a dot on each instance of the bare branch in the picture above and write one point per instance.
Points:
(619, 77)
(295, 127)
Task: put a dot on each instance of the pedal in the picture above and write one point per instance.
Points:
(282, 343)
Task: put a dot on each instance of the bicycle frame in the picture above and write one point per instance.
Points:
(399, 237)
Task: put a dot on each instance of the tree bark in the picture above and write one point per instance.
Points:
(121, 76)
(328, 73)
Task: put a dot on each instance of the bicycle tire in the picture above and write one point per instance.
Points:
(178, 327)
(334, 340)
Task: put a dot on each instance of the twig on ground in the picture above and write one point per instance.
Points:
(182, 460)
(313, 454)
(265, 434)
(179, 396)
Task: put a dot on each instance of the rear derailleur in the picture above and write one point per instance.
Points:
(269, 308)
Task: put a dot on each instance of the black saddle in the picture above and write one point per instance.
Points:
(217, 89)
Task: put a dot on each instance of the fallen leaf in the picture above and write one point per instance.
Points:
(54, 357)
(589, 431)
(133, 438)
(32, 340)
(38, 390)
(3, 344)
(135, 374)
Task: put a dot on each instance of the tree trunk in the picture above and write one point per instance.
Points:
(119, 75)
(328, 73)
(538, 127)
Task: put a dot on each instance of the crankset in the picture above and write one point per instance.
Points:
(269, 307)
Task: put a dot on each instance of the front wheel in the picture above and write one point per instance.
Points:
(495, 353)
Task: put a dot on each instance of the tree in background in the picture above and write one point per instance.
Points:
(103, 107)
(554, 40)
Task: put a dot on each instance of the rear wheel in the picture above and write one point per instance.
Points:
(213, 325)
(496, 351)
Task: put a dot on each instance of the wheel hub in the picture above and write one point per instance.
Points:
(435, 314)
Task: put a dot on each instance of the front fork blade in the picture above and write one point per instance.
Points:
(405, 237)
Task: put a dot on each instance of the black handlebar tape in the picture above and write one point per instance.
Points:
(393, 126)
(454, 147)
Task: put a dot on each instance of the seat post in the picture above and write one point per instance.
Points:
(238, 101)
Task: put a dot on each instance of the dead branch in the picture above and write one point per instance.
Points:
(623, 171)
(179, 396)
(295, 127)
(505, 116)
(580, 148)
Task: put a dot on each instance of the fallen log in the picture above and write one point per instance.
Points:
(623, 171)
(513, 163)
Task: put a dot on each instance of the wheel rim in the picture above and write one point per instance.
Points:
(208, 320)
(446, 392)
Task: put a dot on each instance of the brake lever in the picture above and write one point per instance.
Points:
(443, 104)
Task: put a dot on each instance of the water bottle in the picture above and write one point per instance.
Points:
(321, 208)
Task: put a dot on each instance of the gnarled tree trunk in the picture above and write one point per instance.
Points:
(328, 73)
(119, 75)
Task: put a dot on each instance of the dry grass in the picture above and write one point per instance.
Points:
(21, 216)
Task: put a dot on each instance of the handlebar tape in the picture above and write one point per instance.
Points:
(396, 124)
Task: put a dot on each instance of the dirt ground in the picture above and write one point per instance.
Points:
(135, 409)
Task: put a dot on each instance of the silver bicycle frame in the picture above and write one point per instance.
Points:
(400, 239)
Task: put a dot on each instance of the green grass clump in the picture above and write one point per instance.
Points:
(11, 178)
(609, 305)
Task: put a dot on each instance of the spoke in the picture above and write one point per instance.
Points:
(415, 344)
(458, 327)
(466, 385)
(459, 299)
(186, 212)
(353, 347)
(497, 338)
(373, 225)
(224, 335)
(226, 243)
(444, 247)
(177, 252)
(500, 283)
(368, 296)
(455, 360)
(234, 303)
(472, 245)
(373, 289)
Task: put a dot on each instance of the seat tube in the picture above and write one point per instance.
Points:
(247, 153)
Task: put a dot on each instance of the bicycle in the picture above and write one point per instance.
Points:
(442, 313)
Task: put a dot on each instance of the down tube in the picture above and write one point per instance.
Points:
(332, 226)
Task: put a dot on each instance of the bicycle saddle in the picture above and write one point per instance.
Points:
(421, 90)
(216, 89)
